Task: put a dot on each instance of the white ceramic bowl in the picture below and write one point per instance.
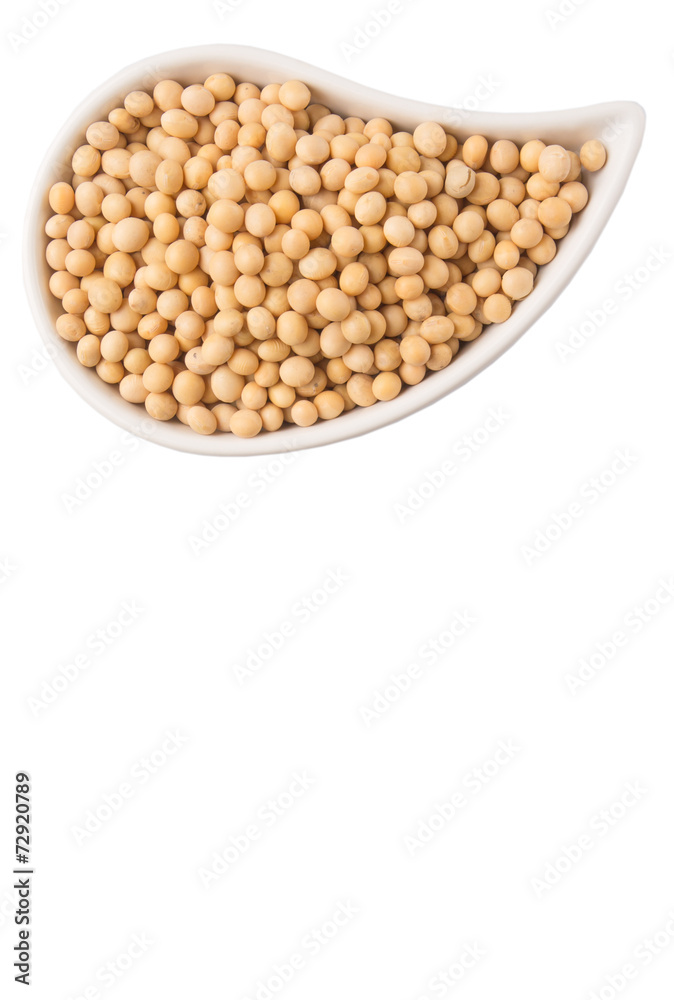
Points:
(621, 124)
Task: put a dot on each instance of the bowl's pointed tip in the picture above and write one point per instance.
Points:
(635, 111)
(639, 112)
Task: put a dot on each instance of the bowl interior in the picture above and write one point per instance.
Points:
(620, 125)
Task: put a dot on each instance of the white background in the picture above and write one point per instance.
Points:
(334, 510)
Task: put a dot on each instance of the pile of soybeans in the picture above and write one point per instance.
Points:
(242, 259)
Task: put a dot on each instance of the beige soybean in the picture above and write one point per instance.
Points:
(496, 308)
(386, 386)
(245, 423)
(61, 198)
(554, 163)
(517, 283)
(105, 295)
(460, 179)
(592, 155)
(430, 139)
(296, 371)
(329, 404)
(576, 194)
(89, 350)
(130, 235)
(526, 233)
